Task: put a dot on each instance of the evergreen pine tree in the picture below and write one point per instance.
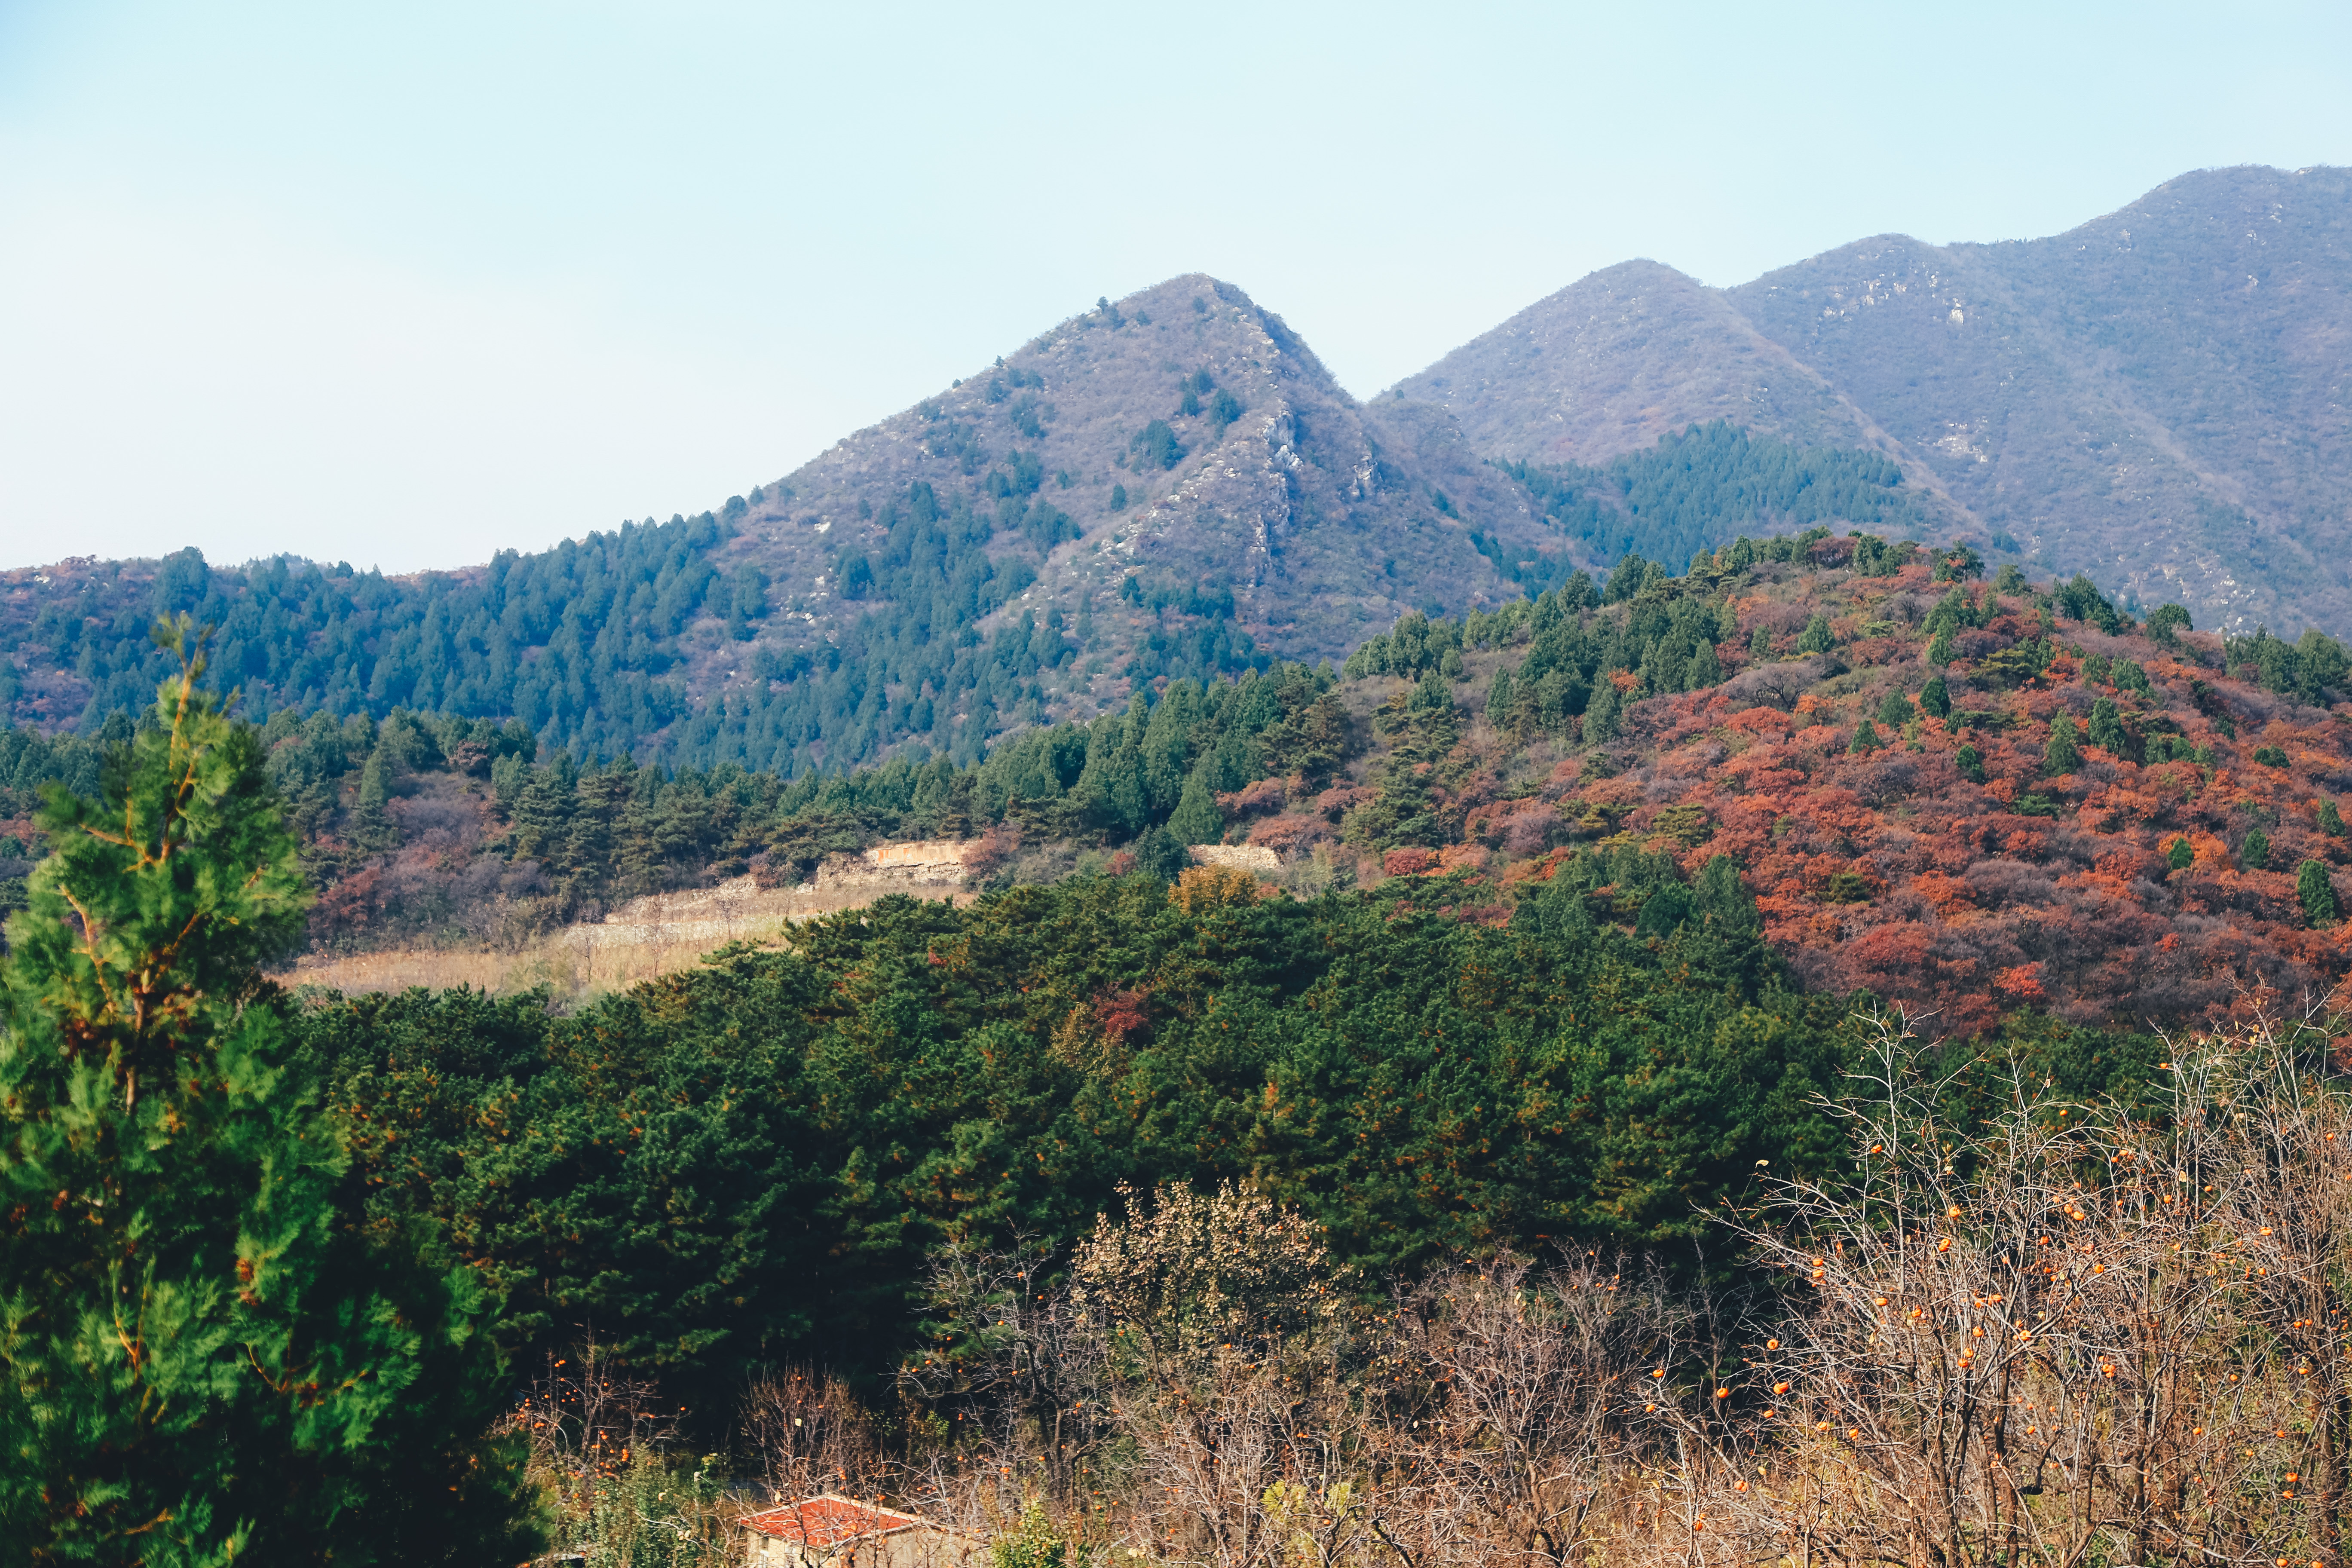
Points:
(371, 827)
(203, 1363)
(2106, 731)
(1498, 697)
(1936, 696)
(2061, 755)
(1196, 819)
(1759, 645)
(2316, 891)
(2331, 821)
(1895, 709)
(1942, 650)
(1600, 714)
(541, 814)
(1866, 739)
(1158, 855)
(2180, 856)
(1817, 637)
(2254, 849)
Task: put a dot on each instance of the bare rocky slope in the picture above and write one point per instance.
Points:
(1324, 519)
(2158, 397)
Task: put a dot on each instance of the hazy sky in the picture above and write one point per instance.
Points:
(406, 284)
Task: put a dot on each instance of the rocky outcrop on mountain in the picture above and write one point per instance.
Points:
(1182, 441)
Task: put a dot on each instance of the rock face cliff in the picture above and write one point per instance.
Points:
(2159, 397)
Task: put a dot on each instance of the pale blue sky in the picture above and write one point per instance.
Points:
(408, 284)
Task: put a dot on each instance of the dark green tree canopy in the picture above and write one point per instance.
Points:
(200, 1363)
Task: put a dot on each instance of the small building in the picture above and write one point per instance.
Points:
(829, 1531)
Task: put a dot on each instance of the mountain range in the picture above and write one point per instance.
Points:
(1173, 485)
(2159, 397)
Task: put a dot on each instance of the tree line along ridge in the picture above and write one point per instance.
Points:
(921, 630)
(1970, 798)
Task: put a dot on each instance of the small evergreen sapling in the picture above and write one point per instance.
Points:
(1600, 715)
(2317, 893)
(1196, 819)
(2061, 755)
(203, 1362)
(2254, 849)
(2166, 623)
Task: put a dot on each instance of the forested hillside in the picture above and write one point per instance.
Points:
(748, 1162)
(901, 1161)
(1700, 488)
(1967, 797)
(1169, 485)
(2158, 397)
(925, 626)
(582, 644)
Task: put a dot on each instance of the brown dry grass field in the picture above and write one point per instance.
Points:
(641, 939)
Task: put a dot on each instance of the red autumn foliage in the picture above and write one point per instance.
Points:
(1291, 834)
(1120, 1013)
(1894, 871)
(1255, 799)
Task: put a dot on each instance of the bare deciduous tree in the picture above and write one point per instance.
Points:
(2041, 1340)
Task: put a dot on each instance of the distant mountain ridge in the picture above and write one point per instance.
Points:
(2159, 397)
(1165, 486)
(1172, 485)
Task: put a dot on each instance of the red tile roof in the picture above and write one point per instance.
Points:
(827, 1521)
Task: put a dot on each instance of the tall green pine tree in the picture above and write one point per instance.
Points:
(1196, 819)
(200, 1361)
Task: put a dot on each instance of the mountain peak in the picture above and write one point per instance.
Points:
(2156, 397)
(1170, 483)
(1620, 358)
